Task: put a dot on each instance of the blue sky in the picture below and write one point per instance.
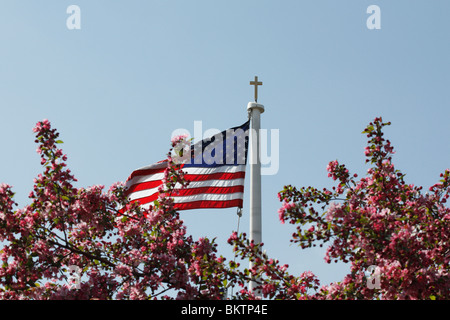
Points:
(138, 70)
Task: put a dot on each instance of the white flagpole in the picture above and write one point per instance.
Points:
(255, 111)
(255, 172)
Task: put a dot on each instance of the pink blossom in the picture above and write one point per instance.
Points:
(333, 209)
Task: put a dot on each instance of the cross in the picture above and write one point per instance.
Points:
(256, 84)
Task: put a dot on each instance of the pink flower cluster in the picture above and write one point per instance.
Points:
(380, 221)
(272, 279)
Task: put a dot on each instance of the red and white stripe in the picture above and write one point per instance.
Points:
(209, 187)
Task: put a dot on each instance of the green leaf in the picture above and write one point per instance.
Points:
(59, 141)
(368, 129)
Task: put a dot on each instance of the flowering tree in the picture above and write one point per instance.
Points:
(115, 249)
(120, 251)
(378, 221)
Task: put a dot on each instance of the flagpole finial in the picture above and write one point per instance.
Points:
(256, 83)
(252, 106)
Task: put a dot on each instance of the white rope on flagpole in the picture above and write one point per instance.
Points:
(239, 214)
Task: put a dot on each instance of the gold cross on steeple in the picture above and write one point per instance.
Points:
(256, 84)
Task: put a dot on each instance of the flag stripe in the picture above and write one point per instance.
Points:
(193, 185)
(215, 176)
(151, 169)
(215, 183)
(211, 198)
(210, 190)
(203, 204)
(148, 199)
(221, 176)
(144, 186)
(209, 204)
(190, 169)
(192, 173)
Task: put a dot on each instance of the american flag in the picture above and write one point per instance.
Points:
(215, 171)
